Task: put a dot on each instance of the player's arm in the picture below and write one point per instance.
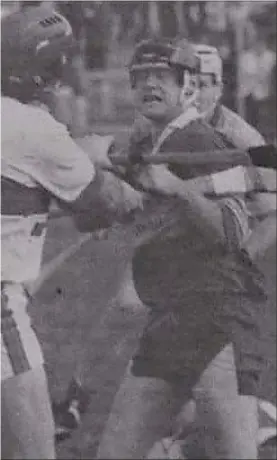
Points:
(262, 237)
(225, 219)
(232, 180)
(94, 197)
(158, 178)
(236, 180)
(205, 212)
(103, 201)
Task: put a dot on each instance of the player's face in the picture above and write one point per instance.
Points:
(209, 93)
(157, 94)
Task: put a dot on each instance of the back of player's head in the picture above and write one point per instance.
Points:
(35, 43)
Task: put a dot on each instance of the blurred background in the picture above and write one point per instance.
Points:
(97, 79)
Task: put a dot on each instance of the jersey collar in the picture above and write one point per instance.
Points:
(185, 118)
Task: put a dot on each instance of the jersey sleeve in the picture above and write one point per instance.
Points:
(236, 221)
(57, 164)
(239, 132)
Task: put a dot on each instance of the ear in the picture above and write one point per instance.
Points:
(220, 89)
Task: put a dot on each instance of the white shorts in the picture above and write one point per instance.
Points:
(20, 349)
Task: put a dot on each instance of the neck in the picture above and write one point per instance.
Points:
(211, 116)
(160, 124)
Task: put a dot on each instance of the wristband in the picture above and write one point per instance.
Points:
(232, 180)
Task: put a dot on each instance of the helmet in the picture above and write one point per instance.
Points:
(209, 61)
(156, 53)
(35, 42)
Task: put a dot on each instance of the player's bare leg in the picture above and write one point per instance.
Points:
(142, 413)
(25, 401)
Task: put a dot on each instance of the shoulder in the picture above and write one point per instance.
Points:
(26, 127)
(25, 117)
(38, 148)
(239, 131)
(197, 135)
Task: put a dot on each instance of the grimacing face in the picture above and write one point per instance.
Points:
(209, 93)
(157, 93)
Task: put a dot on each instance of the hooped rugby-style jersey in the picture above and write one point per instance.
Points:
(202, 293)
(183, 248)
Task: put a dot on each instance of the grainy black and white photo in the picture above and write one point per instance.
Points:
(138, 230)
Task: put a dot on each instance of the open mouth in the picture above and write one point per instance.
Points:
(152, 98)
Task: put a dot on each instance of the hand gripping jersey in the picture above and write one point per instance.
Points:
(39, 161)
(194, 285)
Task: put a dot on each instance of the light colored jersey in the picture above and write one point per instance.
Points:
(39, 160)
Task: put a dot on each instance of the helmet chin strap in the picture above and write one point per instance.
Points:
(189, 93)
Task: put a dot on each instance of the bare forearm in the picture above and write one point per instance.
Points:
(106, 199)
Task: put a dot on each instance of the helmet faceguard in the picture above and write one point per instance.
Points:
(35, 46)
(210, 64)
(164, 54)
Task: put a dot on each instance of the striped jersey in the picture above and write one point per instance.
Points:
(178, 262)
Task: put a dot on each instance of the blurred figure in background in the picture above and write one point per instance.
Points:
(257, 72)
(237, 131)
(240, 134)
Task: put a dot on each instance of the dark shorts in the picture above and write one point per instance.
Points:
(175, 346)
(188, 327)
(179, 346)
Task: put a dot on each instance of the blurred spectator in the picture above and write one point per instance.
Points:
(8, 7)
(257, 72)
(74, 12)
(28, 4)
(168, 19)
(227, 52)
(95, 24)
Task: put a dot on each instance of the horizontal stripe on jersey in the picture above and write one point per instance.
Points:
(11, 337)
(18, 199)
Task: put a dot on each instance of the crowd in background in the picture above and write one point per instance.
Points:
(243, 32)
